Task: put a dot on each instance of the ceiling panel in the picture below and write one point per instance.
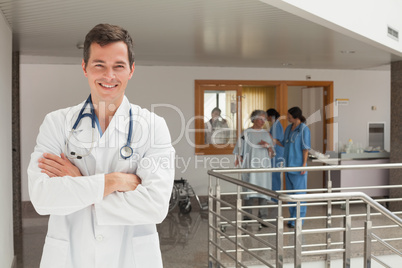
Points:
(230, 33)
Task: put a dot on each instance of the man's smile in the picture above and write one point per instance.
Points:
(107, 86)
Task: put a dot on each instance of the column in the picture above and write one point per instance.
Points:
(396, 132)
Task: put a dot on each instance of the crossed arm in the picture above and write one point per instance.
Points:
(55, 166)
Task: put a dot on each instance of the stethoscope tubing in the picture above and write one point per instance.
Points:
(292, 138)
(125, 151)
(82, 115)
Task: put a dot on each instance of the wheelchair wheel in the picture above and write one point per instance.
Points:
(185, 207)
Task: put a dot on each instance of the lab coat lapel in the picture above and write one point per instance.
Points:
(118, 126)
(116, 133)
(122, 120)
(84, 136)
(139, 136)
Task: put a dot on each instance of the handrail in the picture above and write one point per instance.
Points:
(315, 168)
(310, 197)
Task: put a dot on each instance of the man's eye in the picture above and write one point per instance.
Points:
(120, 66)
(98, 65)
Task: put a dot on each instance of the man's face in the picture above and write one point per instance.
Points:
(215, 115)
(108, 71)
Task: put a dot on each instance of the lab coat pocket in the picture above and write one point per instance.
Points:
(54, 253)
(146, 251)
(128, 165)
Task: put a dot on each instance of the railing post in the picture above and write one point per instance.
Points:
(347, 236)
(329, 221)
(238, 224)
(218, 220)
(279, 237)
(298, 238)
(367, 239)
(210, 221)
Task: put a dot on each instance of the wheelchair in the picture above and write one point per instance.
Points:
(182, 193)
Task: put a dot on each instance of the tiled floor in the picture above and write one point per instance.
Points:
(184, 237)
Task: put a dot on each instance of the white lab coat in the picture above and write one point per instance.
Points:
(85, 229)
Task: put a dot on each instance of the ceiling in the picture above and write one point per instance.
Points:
(227, 33)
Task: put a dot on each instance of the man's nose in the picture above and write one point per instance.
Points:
(109, 73)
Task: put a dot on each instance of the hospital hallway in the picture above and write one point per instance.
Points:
(183, 238)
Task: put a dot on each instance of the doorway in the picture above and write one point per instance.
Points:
(311, 102)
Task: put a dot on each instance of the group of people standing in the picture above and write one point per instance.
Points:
(259, 148)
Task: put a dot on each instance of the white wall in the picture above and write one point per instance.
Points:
(48, 87)
(6, 191)
(371, 24)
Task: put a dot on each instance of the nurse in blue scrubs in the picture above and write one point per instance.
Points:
(277, 134)
(297, 144)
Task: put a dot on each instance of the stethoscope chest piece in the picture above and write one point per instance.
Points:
(126, 151)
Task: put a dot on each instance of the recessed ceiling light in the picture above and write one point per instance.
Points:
(80, 46)
(287, 64)
(348, 51)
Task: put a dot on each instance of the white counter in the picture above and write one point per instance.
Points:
(360, 177)
(365, 155)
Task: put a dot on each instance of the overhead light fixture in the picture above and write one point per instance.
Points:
(348, 51)
(80, 45)
(287, 64)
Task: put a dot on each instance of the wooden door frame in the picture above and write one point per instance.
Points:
(328, 109)
(281, 101)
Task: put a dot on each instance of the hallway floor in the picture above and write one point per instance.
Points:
(184, 237)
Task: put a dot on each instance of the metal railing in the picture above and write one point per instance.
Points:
(343, 234)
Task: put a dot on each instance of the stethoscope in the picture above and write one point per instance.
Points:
(125, 151)
(292, 137)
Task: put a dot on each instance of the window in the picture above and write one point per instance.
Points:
(216, 121)
(219, 104)
(256, 97)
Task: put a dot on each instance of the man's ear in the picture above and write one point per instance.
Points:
(132, 70)
(84, 68)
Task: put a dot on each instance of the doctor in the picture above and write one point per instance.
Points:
(103, 169)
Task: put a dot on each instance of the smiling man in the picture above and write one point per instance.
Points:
(86, 170)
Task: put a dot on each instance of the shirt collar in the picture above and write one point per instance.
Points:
(297, 128)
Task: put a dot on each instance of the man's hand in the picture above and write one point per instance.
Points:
(55, 166)
(121, 182)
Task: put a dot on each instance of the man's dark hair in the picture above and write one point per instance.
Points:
(104, 34)
(216, 109)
